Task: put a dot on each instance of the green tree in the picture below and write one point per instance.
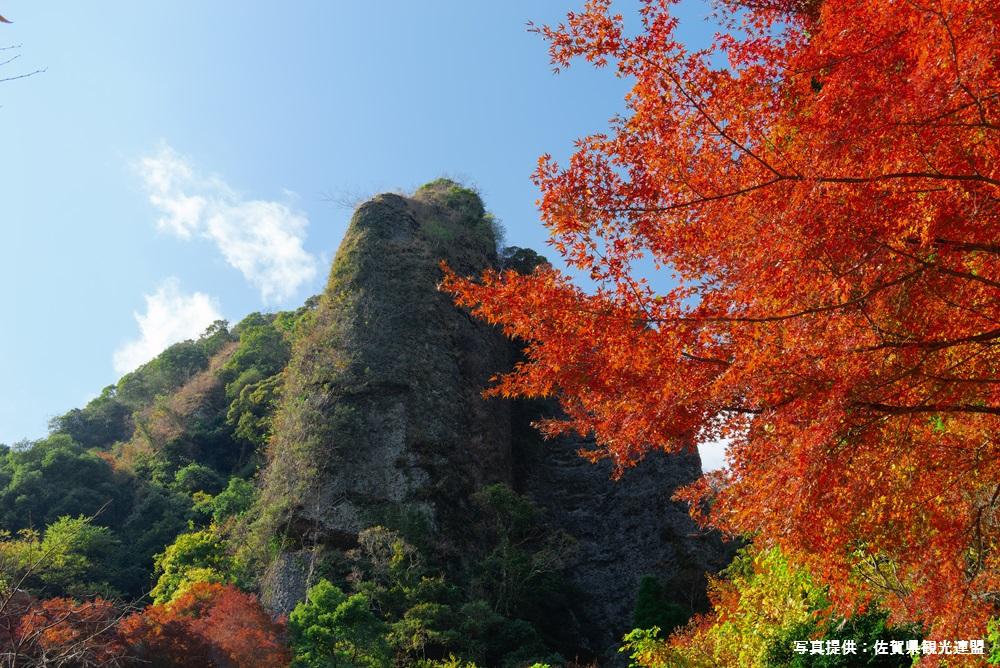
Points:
(172, 368)
(199, 556)
(993, 638)
(251, 412)
(524, 564)
(866, 629)
(331, 629)
(43, 480)
(102, 422)
(197, 478)
(158, 515)
(70, 558)
(769, 603)
(261, 353)
(233, 501)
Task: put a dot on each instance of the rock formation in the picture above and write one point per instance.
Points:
(625, 529)
(382, 422)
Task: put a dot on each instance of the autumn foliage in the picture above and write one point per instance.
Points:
(816, 199)
(59, 632)
(208, 625)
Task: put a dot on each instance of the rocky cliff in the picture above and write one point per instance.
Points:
(382, 422)
(625, 530)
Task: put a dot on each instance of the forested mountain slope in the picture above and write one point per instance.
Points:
(345, 447)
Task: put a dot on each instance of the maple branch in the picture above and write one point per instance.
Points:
(707, 360)
(702, 200)
(984, 337)
(808, 311)
(879, 328)
(935, 176)
(928, 408)
(830, 64)
(981, 125)
(993, 249)
(742, 409)
(942, 270)
(954, 56)
(959, 379)
(704, 112)
(945, 114)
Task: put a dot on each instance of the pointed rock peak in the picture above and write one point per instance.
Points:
(453, 196)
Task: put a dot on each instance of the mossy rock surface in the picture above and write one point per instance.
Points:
(382, 414)
(382, 422)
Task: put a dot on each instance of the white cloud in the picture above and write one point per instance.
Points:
(262, 239)
(170, 317)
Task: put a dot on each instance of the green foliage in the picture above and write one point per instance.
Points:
(171, 368)
(154, 452)
(521, 260)
(993, 641)
(418, 607)
(467, 215)
(71, 558)
(440, 231)
(764, 597)
(233, 501)
(219, 416)
(387, 560)
(646, 649)
(331, 628)
(199, 556)
(451, 662)
(262, 352)
(654, 609)
(53, 477)
(102, 422)
(188, 426)
(158, 516)
(426, 628)
(454, 196)
(196, 478)
(429, 618)
(490, 639)
(251, 412)
(295, 324)
(775, 596)
(522, 568)
(763, 606)
(865, 628)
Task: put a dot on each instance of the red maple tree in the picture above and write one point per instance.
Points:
(208, 625)
(822, 185)
(59, 632)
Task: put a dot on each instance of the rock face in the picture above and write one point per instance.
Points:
(382, 422)
(381, 416)
(626, 529)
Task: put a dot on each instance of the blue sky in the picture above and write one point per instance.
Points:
(186, 160)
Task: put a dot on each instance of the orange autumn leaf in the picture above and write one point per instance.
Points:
(208, 625)
(822, 184)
